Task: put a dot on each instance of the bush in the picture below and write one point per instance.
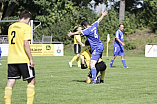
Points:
(129, 45)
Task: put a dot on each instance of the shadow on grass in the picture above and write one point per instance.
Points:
(79, 81)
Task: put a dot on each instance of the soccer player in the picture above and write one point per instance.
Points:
(77, 48)
(20, 61)
(119, 46)
(85, 63)
(97, 47)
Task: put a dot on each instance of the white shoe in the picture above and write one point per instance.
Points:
(0, 64)
(70, 64)
(79, 66)
(127, 67)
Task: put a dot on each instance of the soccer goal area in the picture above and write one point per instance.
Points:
(151, 50)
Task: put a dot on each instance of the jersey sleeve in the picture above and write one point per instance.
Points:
(117, 34)
(27, 33)
(85, 32)
(96, 24)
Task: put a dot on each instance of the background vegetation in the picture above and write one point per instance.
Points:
(60, 16)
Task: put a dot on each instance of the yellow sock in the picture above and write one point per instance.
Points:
(74, 58)
(102, 74)
(89, 80)
(30, 94)
(7, 96)
(78, 61)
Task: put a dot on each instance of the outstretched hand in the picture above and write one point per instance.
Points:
(69, 34)
(104, 13)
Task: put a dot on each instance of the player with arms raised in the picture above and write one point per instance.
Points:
(97, 47)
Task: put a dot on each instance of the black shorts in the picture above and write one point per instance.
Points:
(15, 71)
(101, 66)
(77, 48)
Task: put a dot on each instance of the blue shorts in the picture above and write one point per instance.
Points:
(0, 50)
(97, 53)
(119, 51)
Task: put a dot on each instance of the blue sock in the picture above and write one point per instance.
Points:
(112, 60)
(93, 69)
(124, 63)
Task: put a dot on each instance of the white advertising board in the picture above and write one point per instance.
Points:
(150, 50)
(58, 50)
(4, 49)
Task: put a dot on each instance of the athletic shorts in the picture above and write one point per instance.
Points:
(77, 48)
(119, 51)
(101, 66)
(15, 71)
(97, 53)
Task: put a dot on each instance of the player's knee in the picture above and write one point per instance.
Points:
(101, 66)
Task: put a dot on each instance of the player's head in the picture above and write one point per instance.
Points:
(77, 28)
(121, 27)
(85, 23)
(25, 16)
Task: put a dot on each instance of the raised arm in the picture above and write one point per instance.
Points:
(102, 16)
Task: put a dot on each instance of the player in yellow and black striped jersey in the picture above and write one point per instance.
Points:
(77, 48)
(20, 61)
(85, 63)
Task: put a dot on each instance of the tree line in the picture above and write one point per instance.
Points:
(60, 16)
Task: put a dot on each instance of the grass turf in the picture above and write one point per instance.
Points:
(57, 83)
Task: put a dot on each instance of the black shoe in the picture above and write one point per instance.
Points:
(98, 79)
(94, 83)
(101, 81)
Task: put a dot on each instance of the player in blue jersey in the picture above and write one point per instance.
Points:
(119, 46)
(97, 47)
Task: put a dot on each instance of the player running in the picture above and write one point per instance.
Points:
(77, 48)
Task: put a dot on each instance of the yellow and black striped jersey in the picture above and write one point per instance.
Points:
(86, 53)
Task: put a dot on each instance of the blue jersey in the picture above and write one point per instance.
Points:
(119, 35)
(93, 36)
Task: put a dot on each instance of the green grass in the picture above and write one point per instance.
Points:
(57, 83)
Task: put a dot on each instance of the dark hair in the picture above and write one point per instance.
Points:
(120, 25)
(84, 22)
(76, 27)
(25, 14)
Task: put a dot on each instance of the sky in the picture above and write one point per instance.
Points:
(102, 7)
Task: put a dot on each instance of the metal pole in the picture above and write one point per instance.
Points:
(31, 24)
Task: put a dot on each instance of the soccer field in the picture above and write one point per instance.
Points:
(57, 83)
